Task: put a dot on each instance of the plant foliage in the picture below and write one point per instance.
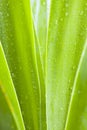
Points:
(43, 65)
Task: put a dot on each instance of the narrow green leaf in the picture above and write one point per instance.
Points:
(66, 38)
(17, 36)
(77, 114)
(39, 10)
(42, 85)
(7, 88)
(7, 121)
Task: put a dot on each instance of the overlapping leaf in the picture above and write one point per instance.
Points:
(39, 11)
(77, 114)
(27, 57)
(66, 39)
(8, 99)
(16, 33)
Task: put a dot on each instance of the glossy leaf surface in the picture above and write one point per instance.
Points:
(45, 45)
(39, 12)
(66, 39)
(77, 115)
(16, 32)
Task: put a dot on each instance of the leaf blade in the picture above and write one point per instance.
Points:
(10, 94)
(39, 12)
(17, 28)
(66, 39)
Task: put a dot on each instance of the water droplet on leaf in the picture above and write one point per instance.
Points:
(67, 5)
(79, 91)
(81, 12)
(66, 14)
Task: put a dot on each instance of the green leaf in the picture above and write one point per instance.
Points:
(42, 85)
(66, 39)
(17, 36)
(44, 44)
(39, 10)
(6, 117)
(77, 114)
(7, 92)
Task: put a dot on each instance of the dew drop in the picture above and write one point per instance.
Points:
(13, 75)
(0, 13)
(12, 127)
(61, 108)
(7, 4)
(44, 3)
(66, 14)
(66, 5)
(7, 14)
(20, 67)
(85, 8)
(61, 19)
(56, 22)
(79, 92)
(69, 81)
(73, 67)
(81, 12)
